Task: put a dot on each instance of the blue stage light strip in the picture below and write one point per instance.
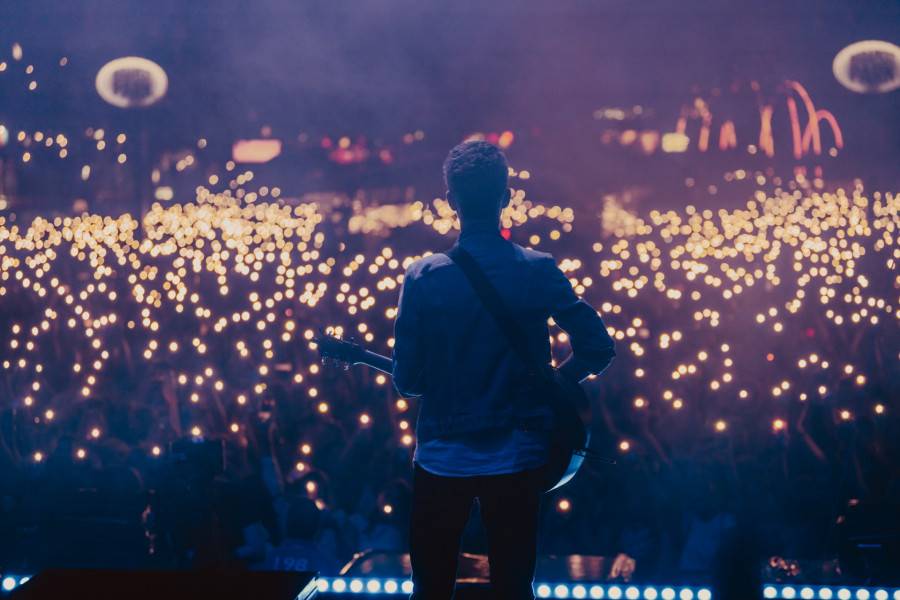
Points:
(578, 591)
(597, 591)
(828, 592)
(364, 585)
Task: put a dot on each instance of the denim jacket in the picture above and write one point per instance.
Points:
(449, 351)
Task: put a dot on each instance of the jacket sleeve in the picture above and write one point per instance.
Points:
(408, 364)
(592, 347)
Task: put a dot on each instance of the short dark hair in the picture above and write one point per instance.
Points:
(477, 174)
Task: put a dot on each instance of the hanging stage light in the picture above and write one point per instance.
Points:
(131, 82)
(868, 67)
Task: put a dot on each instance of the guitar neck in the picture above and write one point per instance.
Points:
(377, 362)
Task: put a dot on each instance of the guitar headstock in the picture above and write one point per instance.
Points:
(330, 347)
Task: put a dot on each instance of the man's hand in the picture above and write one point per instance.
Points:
(622, 567)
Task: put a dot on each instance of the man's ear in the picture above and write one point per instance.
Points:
(507, 196)
(451, 198)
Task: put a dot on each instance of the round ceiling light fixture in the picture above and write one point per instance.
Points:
(868, 67)
(131, 81)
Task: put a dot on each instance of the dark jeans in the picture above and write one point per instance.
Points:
(440, 509)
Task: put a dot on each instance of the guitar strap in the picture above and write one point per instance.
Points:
(514, 334)
(493, 303)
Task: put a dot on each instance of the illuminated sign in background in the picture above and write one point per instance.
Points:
(698, 128)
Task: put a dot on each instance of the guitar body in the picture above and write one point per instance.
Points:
(571, 432)
(569, 436)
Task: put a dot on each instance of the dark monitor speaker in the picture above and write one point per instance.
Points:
(166, 585)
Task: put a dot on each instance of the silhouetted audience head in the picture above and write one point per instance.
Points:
(303, 519)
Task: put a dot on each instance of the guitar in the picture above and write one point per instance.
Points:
(569, 437)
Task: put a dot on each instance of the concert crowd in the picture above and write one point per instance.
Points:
(163, 397)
